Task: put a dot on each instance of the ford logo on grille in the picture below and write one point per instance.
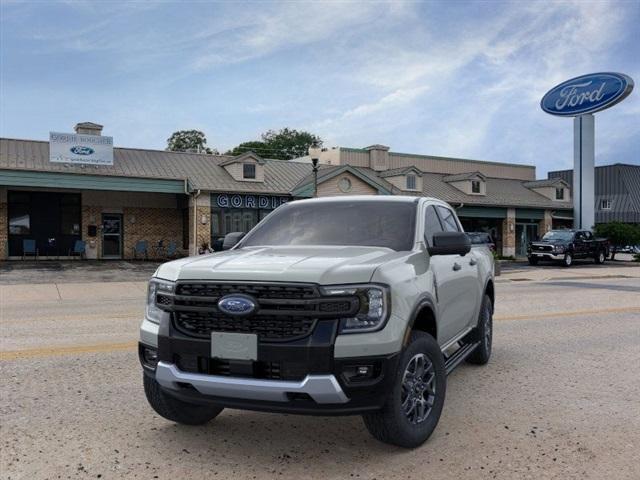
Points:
(80, 150)
(237, 305)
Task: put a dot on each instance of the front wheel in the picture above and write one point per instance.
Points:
(414, 404)
(567, 261)
(533, 260)
(600, 257)
(176, 410)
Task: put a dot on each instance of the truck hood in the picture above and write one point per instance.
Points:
(322, 265)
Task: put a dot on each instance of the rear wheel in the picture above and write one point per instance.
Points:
(176, 410)
(567, 261)
(414, 404)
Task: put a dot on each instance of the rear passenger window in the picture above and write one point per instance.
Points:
(431, 225)
(449, 222)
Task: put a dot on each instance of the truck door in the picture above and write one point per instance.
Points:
(456, 278)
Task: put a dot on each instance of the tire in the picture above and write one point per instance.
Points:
(600, 257)
(532, 260)
(391, 424)
(176, 410)
(482, 353)
(567, 261)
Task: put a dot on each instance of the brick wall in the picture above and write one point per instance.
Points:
(509, 233)
(4, 227)
(152, 225)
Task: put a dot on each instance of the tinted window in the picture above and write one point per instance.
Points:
(249, 170)
(449, 222)
(367, 223)
(431, 225)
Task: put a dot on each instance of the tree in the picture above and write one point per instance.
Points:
(284, 144)
(188, 141)
(619, 234)
(257, 147)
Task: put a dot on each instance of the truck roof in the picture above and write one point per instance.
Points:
(368, 198)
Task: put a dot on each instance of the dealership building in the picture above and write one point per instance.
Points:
(114, 198)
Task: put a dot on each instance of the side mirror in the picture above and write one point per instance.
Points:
(450, 243)
(231, 239)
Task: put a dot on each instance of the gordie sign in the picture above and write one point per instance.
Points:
(587, 94)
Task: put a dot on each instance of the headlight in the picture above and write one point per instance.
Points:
(374, 307)
(156, 286)
(559, 248)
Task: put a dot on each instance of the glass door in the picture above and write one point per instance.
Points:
(525, 233)
(111, 235)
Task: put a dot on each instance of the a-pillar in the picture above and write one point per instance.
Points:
(509, 234)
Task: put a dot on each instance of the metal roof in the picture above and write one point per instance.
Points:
(463, 176)
(201, 170)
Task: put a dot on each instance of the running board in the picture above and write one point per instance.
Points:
(458, 357)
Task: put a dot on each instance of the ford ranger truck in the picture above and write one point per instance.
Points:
(332, 306)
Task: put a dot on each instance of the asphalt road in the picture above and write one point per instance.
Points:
(559, 398)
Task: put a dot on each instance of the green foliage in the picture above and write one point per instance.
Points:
(619, 234)
(188, 141)
(284, 144)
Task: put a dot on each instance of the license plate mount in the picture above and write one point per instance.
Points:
(234, 346)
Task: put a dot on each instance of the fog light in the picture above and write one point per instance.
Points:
(357, 373)
(364, 371)
(149, 357)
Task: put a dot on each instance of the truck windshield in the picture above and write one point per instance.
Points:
(364, 223)
(558, 235)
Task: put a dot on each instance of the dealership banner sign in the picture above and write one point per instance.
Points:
(80, 149)
(587, 94)
(240, 200)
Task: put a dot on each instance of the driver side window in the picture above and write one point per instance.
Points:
(431, 225)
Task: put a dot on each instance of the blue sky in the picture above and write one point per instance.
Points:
(461, 79)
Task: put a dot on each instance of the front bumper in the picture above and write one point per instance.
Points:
(300, 376)
(546, 255)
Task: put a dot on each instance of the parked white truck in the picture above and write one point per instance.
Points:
(333, 306)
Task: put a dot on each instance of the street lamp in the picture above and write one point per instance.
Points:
(314, 153)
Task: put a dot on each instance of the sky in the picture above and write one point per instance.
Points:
(451, 78)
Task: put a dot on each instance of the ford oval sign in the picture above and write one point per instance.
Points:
(79, 150)
(237, 305)
(587, 94)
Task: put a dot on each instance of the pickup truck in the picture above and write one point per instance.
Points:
(332, 306)
(566, 245)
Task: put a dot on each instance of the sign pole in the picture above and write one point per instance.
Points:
(583, 171)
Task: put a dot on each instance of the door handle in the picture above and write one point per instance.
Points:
(456, 267)
(473, 262)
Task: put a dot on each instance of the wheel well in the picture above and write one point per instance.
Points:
(426, 322)
(491, 292)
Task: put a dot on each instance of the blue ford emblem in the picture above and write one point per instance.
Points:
(236, 305)
(587, 94)
(80, 150)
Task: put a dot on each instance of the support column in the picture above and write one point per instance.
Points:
(4, 227)
(509, 234)
(583, 172)
(201, 222)
(545, 224)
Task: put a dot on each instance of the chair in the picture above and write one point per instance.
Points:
(29, 248)
(172, 249)
(79, 248)
(159, 249)
(141, 248)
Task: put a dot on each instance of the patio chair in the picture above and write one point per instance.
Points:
(79, 248)
(29, 248)
(172, 249)
(142, 249)
(159, 249)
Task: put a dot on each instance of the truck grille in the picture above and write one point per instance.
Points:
(285, 311)
(542, 248)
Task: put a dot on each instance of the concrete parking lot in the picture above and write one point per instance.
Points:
(559, 398)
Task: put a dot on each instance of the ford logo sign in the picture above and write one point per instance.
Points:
(237, 305)
(587, 94)
(79, 150)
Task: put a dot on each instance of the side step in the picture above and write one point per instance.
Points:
(450, 363)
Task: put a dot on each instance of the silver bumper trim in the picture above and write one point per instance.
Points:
(321, 388)
(551, 255)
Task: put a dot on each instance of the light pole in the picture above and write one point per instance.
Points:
(314, 153)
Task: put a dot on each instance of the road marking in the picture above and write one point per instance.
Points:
(534, 316)
(55, 351)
